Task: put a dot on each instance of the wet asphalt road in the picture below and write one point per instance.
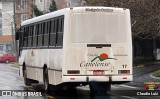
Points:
(142, 74)
(10, 80)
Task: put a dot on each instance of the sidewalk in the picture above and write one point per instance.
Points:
(147, 64)
(152, 63)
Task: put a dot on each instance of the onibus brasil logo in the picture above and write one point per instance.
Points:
(151, 85)
(100, 58)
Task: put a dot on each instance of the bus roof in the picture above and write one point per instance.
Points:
(76, 9)
(43, 17)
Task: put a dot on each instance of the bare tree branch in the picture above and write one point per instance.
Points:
(145, 15)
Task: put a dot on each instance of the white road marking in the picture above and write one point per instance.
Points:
(124, 96)
(114, 86)
(129, 97)
(128, 86)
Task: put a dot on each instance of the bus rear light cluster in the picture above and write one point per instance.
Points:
(123, 71)
(73, 71)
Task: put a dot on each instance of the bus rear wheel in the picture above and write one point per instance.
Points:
(46, 80)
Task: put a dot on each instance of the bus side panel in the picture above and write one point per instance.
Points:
(58, 77)
(35, 59)
(55, 66)
(32, 73)
(55, 59)
(130, 40)
(55, 77)
(51, 77)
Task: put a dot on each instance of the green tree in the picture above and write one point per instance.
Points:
(36, 11)
(53, 6)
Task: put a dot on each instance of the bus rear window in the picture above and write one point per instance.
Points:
(99, 28)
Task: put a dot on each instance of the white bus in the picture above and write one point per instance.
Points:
(77, 46)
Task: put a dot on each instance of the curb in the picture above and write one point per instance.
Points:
(152, 63)
(15, 66)
(139, 66)
(151, 75)
(146, 65)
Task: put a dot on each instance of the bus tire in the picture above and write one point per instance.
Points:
(27, 81)
(46, 80)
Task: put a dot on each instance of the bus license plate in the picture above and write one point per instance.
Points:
(98, 72)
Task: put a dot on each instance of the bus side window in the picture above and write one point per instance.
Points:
(30, 36)
(50, 28)
(35, 36)
(21, 38)
(32, 32)
(46, 34)
(60, 33)
(40, 33)
(25, 37)
(52, 37)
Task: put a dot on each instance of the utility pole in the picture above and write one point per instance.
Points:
(14, 14)
(14, 30)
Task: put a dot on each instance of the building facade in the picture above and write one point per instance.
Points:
(61, 4)
(7, 18)
(23, 11)
(6, 43)
(0, 18)
(43, 5)
(75, 3)
(6, 26)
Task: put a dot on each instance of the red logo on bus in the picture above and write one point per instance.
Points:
(102, 57)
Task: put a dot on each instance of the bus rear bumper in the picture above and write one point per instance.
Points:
(121, 78)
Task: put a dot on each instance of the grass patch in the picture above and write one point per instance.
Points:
(156, 73)
(15, 64)
(140, 65)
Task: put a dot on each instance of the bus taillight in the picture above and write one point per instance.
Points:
(73, 72)
(124, 78)
(123, 71)
(72, 78)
